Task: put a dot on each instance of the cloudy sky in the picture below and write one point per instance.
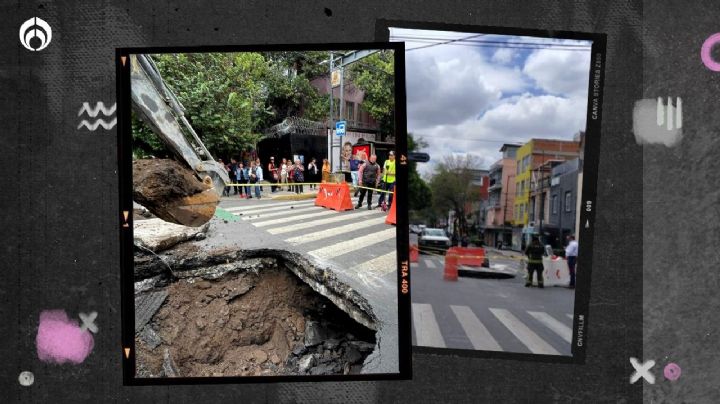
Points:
(470, 93)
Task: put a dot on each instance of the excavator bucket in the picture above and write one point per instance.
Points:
(194, 183)
(171, 192)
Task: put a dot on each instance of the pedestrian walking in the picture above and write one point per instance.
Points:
(388, 179)
(534, 253)
(258, 164)
(354, 166)
(298, 176)
(369, 178)
(256, 175)
(312, 173)
(326, 171)
(571, 253)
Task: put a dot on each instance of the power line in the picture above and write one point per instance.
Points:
(492, 44)
(446, 42)
(429, 38)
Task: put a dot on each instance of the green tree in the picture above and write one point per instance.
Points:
(375, 75)
(232, 98)
(419, 193)
(452, 188)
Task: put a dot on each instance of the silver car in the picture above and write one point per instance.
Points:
(433, 241)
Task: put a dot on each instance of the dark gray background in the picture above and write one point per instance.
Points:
(656, 206)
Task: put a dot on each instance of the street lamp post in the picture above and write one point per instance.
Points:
(330, 121)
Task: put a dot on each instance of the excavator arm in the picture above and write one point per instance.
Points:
(190, 204)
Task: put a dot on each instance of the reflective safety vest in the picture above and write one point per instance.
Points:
(389, 172)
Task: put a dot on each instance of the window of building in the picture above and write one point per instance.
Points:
(568, 201)
(350, 111)
(555, 204)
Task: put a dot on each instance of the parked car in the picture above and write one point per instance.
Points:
(433, 241)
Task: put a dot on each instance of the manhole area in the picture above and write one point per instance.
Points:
(249, 324)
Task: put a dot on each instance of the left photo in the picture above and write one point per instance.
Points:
(264, 234)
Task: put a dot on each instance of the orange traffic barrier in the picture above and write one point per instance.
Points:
(390, 219)
(451, 267)
(414, 253)
(470, 256)
(334, 196)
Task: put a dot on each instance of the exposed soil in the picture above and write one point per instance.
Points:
(162, 181)
(250, 324)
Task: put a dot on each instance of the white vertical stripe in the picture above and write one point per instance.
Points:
(559, 328)
(341, 217)
(429, 263)
(335, 231)
(427, 330)
(355, 244)
(531, 340)
(476, 332)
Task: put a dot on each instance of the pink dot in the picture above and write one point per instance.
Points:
(705, 55)
(672, 371)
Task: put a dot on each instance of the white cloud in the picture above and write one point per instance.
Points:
(561, 72)
(503, 55)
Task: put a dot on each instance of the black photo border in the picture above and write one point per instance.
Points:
(124, 145)
(588, 206)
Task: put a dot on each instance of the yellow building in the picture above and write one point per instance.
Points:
(530, 156)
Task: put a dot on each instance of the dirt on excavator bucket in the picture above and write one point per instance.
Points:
(173, 193)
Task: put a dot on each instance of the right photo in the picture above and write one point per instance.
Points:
(495, 214)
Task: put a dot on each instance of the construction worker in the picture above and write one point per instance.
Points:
(534, 252)
(388, 179)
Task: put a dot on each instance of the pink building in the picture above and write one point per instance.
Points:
(501, 197)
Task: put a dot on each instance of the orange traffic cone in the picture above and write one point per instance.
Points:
(414, 252)
(451, 263)
(390, 219)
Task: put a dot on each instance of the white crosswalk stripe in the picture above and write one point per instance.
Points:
(380, 266)
(476, 332)
(522, 332)
(282, 228)
(270, 209)
(427, 330)
(270, 205)
(335, 231)
(356, 244)
(267, 223)
(557, 327)
(429, 263)
(259, 215)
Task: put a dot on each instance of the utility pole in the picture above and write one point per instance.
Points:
(342, 105)
(507, 192)
(332, 110)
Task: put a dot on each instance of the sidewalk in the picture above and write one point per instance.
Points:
(507, 253)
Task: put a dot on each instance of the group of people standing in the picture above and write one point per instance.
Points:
(284, 175)
(367, 175)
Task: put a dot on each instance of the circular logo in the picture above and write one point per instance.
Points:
(672, 371)
(26, 378)
(35, 34)
(705, 52)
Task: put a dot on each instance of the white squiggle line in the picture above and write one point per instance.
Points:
(98, 107)
(99, 122)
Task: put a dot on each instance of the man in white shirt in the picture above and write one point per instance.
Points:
(571, 253)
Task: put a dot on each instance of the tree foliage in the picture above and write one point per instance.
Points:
(375, 75)
(452, 188)
(232, 98)
(419, 193)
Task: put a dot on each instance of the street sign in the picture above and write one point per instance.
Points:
(419, 157)
(340, 128)
(335, 78)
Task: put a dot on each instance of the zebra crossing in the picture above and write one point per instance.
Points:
(491, 329)
(359, 238)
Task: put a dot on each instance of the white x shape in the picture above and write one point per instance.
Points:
(88, 322)
(642, 371)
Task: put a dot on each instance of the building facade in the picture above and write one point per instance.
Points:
(501, 198)
(531, 162)
(563, 202)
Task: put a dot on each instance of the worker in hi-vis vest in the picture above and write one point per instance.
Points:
(388, 179)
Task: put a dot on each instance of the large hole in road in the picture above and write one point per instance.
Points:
(240, 313)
